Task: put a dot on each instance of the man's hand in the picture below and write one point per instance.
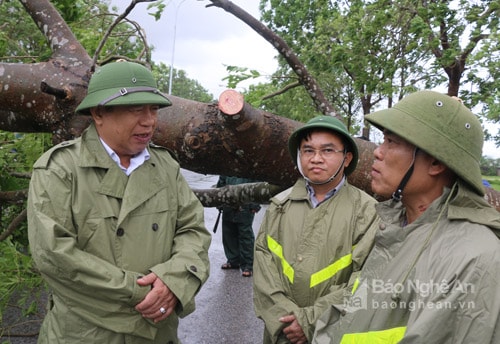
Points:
(160, 302)
(293, 332)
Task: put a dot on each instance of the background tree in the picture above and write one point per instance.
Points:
(351, 47)
(388, 48)
(288, 97)
(456, 33)
(489, 167)
(182, 86)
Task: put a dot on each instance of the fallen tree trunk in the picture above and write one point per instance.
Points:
(237, 194)
(234, 139)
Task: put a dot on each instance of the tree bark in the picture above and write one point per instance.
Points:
(247, 142)
(237, 194)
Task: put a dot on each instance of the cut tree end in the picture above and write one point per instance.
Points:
(231, 102)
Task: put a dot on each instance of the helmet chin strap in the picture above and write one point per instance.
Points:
(397, 195)
(319, 183)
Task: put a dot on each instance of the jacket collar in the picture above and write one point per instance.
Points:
(468, 205)
(298, 192)
(92, 152)
(465, 204)
(142, 184)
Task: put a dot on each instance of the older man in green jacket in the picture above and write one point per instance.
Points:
(113, 226)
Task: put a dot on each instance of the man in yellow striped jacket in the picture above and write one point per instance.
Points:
(313, 236)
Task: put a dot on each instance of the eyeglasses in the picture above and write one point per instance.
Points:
(326, 153)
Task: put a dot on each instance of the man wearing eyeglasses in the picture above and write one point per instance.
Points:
(315, 235)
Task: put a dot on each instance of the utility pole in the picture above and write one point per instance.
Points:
(173, 48)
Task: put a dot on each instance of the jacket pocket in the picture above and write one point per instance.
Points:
(97, 226)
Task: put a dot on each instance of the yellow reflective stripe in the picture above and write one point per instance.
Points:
(355, 285)
(277, 249)
(328, 272)
(390, 336)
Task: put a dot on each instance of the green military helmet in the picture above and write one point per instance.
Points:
(330, 123)
(441, 126)
(122, 83)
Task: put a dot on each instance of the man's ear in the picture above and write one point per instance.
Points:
(95, 112)
(347, 159)
(436, 167)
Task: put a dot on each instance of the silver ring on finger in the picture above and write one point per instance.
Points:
(163, 310)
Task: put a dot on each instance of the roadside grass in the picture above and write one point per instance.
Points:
(494, 181)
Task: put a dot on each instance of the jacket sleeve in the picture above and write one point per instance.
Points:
(188, 267)
(254, 207)
(221, 181)
(465, 310)
(81, 278)
(270, 300)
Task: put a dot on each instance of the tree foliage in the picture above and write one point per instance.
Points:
(182, 86)
(18, 153)
(389, 48)
(21, 40)
(16, 45)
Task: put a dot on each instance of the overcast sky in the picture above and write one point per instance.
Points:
(207, 39)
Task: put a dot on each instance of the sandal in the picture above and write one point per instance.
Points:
(246, 273)
(228, 266)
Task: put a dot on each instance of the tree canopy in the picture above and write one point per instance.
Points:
(372, 53)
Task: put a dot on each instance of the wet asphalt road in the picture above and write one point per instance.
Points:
(224, 307)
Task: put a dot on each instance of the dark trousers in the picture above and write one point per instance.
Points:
(238, 238)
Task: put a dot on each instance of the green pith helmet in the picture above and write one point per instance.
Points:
(441, 126)
(122, 83)
(329, 123)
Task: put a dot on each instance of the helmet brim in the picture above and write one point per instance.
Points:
(137, 98)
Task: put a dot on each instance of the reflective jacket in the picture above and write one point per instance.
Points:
(304, 256)
(93, 231)
(435, 280)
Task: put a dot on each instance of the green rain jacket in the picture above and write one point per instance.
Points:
(305, 256)
(93, 231)
(435, 280)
